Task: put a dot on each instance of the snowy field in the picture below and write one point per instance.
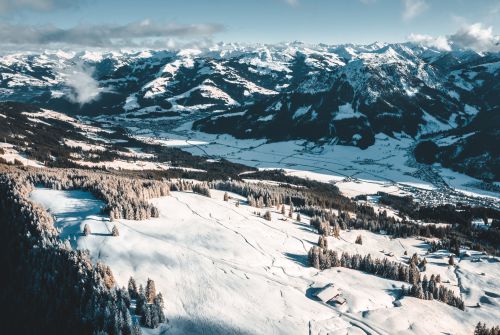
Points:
(386, 166)
(224, 270)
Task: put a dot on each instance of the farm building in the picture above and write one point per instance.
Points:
(328, 293)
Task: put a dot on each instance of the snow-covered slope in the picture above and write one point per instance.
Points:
(224, 270)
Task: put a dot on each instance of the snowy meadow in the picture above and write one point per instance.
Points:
(223, 268)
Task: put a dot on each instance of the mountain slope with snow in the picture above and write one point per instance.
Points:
(346, 94)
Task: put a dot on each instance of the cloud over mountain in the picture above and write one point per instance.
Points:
(476, 37)
(142, 33)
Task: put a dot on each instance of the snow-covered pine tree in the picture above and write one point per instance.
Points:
(86, 230)
(140, 303)
(323, 242)
(150, 291)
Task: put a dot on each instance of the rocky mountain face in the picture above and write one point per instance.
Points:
(344, 94)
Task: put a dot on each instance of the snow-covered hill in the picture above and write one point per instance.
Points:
(225, 270)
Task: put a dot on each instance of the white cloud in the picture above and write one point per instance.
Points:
(83, 87)
(293, 3)
(36, 5)
(141, 33)
(440, 42)
(476, 37)
(413, 8)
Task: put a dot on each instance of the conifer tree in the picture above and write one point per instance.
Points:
(158, 302)
(136, 329)
(323, 242)
(86, 230)
(150, 291)
(132, 288)
(267, 215)
(115, 231)
(140, 303)
(336, 230)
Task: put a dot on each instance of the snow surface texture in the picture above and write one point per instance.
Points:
(224, 270)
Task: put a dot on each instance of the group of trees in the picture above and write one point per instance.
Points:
(429, 289)
(124, 197)
(482, 329)
(50, 286)
(270, 195)
(322, 226)
(322, 258)
(87, 231)
(195, 187)
(148, 305)
(452, 244)
(377, 222)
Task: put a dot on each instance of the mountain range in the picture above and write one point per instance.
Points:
(448, 101)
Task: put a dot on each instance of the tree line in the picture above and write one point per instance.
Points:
(268, 195)
(125, 198)
(482, 329)
(52, 288)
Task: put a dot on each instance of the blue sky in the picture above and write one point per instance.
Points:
(265, 21)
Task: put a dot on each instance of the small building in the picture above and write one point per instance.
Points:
(329, 292)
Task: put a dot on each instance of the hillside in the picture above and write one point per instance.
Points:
(213, 260)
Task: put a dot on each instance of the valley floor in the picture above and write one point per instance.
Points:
(386, 166)
(223, 269)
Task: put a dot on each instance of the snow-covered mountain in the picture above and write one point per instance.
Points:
(346, 94)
